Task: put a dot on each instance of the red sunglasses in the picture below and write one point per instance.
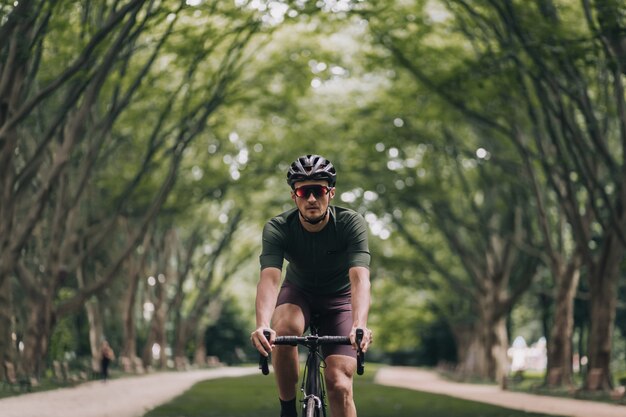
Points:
(318, 191)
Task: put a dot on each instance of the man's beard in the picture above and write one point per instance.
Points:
(315, 220)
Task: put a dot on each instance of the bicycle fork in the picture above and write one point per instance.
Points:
(313, 387)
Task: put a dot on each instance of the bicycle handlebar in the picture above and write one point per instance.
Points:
(305, 340)
(316, 341)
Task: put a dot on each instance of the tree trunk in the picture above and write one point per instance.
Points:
(180, 339)
(96, 331)
(499, 344)
(156, 334)
(6, 328)
(7, 208)
(136, 268)
(180, 344)
(14, 49)
(559, 368)
(129, 348)
(37, 335)
(493, 344)
(160, 317)
(146, 352)
(602, 304)
(162, 341)
(482, 349)
(471, 352)
(200, 353)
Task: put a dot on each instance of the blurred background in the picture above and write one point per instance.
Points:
(144, 143)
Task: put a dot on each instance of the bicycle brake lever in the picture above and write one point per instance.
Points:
(360, 356)
(263, 360)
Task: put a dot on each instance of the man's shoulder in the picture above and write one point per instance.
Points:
(283, 218)
(343, 214)
(348, 220)
(277, 229)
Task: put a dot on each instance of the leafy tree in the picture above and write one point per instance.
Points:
(497, 65)
(228, 337)
(66, 125)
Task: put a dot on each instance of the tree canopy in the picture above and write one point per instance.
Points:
(143, 144)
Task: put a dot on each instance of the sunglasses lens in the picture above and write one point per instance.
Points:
(317, 190)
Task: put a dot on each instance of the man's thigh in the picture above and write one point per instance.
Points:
(336, 320)
(288, 320)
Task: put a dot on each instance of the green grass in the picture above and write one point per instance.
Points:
(48, 383)
(533, 383)
(45, 384)
(256, 396)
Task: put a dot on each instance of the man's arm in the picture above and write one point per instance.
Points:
(266, 296)
(360, 288)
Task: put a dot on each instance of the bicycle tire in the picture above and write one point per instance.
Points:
(313, 387)
(311, 409)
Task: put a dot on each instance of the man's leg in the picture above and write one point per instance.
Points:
(288, 320)
(338, 374)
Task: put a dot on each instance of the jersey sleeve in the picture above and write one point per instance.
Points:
(272, 251)
(357, 242)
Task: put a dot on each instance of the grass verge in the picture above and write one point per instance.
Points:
(256, 396)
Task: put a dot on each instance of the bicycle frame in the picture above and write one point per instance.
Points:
(313, 387)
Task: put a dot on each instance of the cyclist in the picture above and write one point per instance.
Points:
(327, 275)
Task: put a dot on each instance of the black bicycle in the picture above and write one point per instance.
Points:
(313, 387)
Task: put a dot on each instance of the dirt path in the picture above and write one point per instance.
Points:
(126, 397)
(426, 381)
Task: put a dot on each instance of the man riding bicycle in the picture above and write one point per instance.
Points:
(327, 276)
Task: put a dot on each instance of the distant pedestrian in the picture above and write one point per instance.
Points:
(106, 356)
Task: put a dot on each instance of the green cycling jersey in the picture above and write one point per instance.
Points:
(318, 262)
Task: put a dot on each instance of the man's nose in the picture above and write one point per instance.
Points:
(311, 197)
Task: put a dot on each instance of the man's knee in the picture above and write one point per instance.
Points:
(288, 320)
(339, 385)
(338, 376)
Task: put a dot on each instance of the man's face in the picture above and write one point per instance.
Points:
(314, 198)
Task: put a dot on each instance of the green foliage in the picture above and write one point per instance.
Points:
(228, 337)
(64, 339)
(526, 318)
(401, 316)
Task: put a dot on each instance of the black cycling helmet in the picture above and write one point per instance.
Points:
(311, 167)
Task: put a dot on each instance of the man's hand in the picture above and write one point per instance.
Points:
(259, 341)
(367, 338)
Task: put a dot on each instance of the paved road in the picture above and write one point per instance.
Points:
(134, 396)
(125, 397)
(422, 380)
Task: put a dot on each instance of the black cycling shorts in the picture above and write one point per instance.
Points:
(334, 313)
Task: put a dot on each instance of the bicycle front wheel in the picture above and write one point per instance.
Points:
(313, 387)
(311, 409)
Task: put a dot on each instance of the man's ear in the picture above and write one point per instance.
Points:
(332, 193)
